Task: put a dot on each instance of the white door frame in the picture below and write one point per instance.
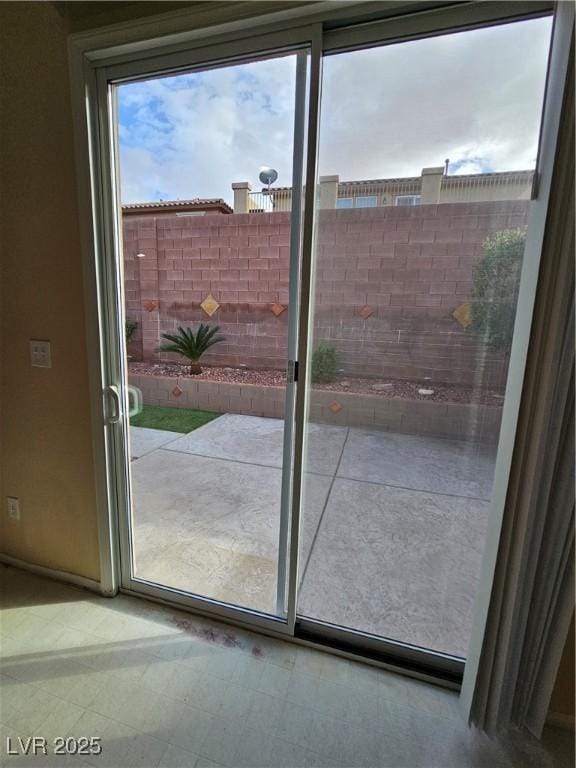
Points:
(177, 40)
(114, 375)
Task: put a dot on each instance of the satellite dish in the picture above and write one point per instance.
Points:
(268, 175)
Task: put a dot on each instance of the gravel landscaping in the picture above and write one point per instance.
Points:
(385, 388)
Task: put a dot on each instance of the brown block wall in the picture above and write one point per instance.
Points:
(453, 421)
(408, 269)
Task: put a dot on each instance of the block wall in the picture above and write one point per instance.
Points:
(387, 283)
(453, 421)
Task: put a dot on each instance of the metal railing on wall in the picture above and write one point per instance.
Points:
(375, 194)
(485, 187)
(270, 201)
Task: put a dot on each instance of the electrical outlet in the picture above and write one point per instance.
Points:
(40, 354)
(13, 508)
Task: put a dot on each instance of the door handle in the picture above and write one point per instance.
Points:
(134, 400)
(116, 414)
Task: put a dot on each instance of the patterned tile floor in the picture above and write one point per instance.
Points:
(393, 525)
(163, 688)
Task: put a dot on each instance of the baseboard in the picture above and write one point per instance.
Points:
(52, 573)
(558, 720)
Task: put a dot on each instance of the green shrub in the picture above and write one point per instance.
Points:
(324, 362)
(130, 329)
(496, 280)
(192, 345)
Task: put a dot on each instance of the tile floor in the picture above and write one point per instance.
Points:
(393, 526)
(163, 688)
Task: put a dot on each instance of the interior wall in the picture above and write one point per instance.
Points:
(46, 446)
(92, 14)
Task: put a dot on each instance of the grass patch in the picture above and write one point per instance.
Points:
(172, 419)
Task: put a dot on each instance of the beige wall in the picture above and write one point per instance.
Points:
(46, 446)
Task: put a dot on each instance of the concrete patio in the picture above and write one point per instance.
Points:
(392, 533)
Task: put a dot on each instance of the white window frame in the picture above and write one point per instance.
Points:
(174, 40)
(412, 198)
(366, 197)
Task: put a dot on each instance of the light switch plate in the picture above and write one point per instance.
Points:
(40, 354)
(13, 504)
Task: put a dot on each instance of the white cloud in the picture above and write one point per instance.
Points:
(473, 97)
(194, 135)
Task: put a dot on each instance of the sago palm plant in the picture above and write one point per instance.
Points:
(192, 345)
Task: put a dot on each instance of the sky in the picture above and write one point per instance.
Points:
(473, 97)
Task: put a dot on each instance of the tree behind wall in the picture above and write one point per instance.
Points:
(496, 279)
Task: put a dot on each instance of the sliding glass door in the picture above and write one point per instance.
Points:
(427, 156)
(319, 250)
(209, 264)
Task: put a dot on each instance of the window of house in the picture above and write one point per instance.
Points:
(367, 201)
(408, 200)
(344, 202)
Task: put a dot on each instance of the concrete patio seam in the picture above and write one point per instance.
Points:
(324, 507)
(236, 461)
(413, 490)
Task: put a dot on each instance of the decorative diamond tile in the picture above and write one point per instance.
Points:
(177, 391)
(277, 309)
(150, 306)
(210, 305)
(462, 314)
(366, 311)
(335, 407)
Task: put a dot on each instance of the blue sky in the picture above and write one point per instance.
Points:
(474, 97)
(193, 135)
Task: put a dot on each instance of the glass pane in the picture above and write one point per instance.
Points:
(366, 201)
(414, 306)
(206, 260)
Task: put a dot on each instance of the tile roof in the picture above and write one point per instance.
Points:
(197, 202)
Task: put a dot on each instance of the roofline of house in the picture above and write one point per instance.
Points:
(417, 179)
(162, 206)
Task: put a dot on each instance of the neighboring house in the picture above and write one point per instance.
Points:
(196, 207)
(432, 186)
